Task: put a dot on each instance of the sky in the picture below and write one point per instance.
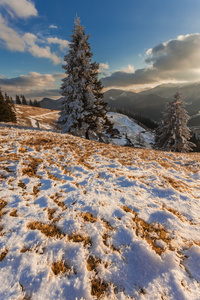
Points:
(139, 44)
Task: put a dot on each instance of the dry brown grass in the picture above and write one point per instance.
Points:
(10, 180)
(3, 254)
(92, 263)
(59, 267)
(36, 189)
(2, 212)
(25, 249)
(50, 213)
(38, 141)
(87, 217)
(10, 157)
(105, 238)
(2, 204)
(128, 209)
(31, 169)
(49, 230)
(197, 243)
(52, 176)
(150, 232)
(78, 238)
(56, 200)
(22, 150)
(107, 225)
(13, 213)
(21, 184)
(2, 177)
(176, 213)
(98, 287)
(177, 185)
(7, 169)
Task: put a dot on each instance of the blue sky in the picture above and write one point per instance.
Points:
(138, 43)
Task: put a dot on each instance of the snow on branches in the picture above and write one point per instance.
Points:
(82, 107)
(173, 134)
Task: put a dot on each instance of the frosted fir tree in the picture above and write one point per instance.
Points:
(173, 134)
(82, 107)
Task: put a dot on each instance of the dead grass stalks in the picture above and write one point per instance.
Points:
(13, 213)
(49, 230)
(78, 238)
(3, 254)
(98, 287)
(59, 267)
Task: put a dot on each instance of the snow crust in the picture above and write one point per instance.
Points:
(109, 194)
(139, 136)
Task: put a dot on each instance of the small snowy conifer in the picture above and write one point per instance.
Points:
(173, 134)
(82, 106)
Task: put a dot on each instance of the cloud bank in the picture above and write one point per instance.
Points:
(176, 60)
(32, 85)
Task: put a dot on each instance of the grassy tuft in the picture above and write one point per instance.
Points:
(98, 287)
(59, 267)
(48, 230)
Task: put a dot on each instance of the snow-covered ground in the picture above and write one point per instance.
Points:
(85, 220)
(46, 119)
(36, 117)
(137, 135)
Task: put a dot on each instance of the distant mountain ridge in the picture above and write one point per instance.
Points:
(49, 103)
(150, 103)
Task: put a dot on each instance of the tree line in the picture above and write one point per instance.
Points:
(22, 100)
(7, 107)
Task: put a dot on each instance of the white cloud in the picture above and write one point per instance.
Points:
(32, 84)
(176, 60)
(53, 26)
(103, 67)
(129, 69)
(10, 38)
(21, 8)
(30, 41)
(33, 79)
(181, 54)
(27, 42)
(64, 44)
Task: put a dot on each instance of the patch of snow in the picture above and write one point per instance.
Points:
(108, 204)
(124, 94)
(127, 127)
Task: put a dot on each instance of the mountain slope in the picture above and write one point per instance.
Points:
(81, 220)
(150, 103)
(190, 93)
(147, 105)
(49, 103)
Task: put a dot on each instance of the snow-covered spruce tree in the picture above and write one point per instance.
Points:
(173, 134)
(83, 110)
